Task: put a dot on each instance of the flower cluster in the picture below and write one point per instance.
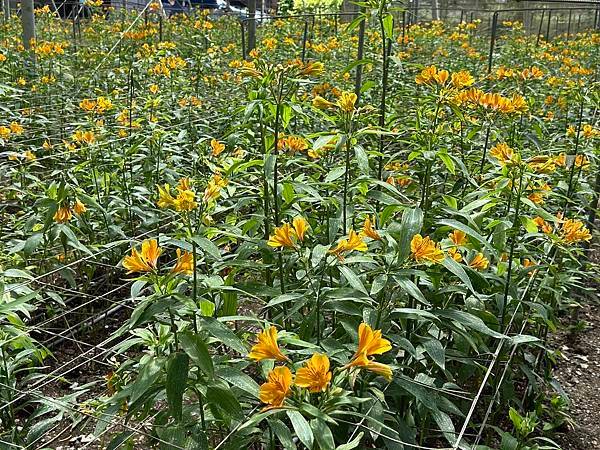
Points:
(315, 375)
(146, 260)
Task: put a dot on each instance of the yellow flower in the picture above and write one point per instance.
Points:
(79, 208)
(354, 242)
(528, 263)
(479, 262)
(426, 76)
(371, 343)
(503, 153)
(293, 144)
(574, 231)
(184, 184)
(321, 103)
(144, 261)
(165, 199)
(458, 237)
(542, 225)
(347, 101)
(63, 214)
(542, 163)
(277, 387)
(185, 263)
(217, 147)
(369, 231)
(582, 161)
(300, 226)
(4, 132)
(282, 237)
(313, 68)
(462, 79)
(424, 249)
(380, 369)
(29, 155)
(185, 200)
(455, 254)
(266, 347)
(315, 374)
(87, 105)
(153, 88)
(16, 128)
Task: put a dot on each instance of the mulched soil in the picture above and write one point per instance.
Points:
(579, 374)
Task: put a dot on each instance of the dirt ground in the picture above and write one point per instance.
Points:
(579, 374)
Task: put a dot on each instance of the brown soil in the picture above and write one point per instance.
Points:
(579, 374)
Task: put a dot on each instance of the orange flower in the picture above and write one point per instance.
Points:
(315, 374)
(504, 154)
(425, 250)
(79, 207)
(144, 261)
(277, 387)
(479, 262)
(354, 242)
(185, 263)
(458, 237)
(63, 214)
(300, 226)
(371, 343)
(543, 225)
(455, 254)
(574, 231)
(217, 147)
(369, 231)
(266, 347)
(282, 237)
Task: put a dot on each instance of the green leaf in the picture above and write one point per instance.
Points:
(239, 379)
(470, 321)
(469, 231)
(353, 279)
(224, 400)
(457, 270)
(197, 350)
(283, 433)
(411, 289)
(148, 374)
(350, 445)
(447, 160)
(388, 26)
(302, 428)
(322, 434)
(208, 247)
(222, 333)
(412, 221)
(435, 349)
(119, 440)
(177, 373)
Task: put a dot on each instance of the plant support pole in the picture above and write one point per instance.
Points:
(251, 25)
(28, 22)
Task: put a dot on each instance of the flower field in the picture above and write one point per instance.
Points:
(357, 235)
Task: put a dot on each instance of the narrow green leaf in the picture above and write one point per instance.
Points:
(302, 428)
(177, 373)
(197, 350)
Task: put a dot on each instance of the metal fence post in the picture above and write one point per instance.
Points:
(251, 25)
(359, 55)
(28, 22)
(537, 42)
(493, 40)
